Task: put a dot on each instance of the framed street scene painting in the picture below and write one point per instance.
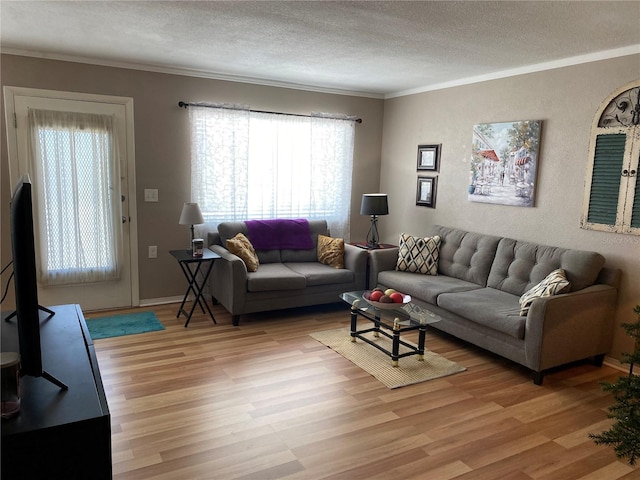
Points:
(504, 162)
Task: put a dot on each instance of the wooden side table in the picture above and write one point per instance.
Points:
(191, 267)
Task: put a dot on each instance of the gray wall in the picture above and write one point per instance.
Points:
(566, 100)
(162, 146)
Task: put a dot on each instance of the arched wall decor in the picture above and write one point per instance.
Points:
(612, 190)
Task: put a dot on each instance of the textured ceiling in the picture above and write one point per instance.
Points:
(370, 48)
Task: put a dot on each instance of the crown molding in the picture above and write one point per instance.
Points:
(566, 62)
(539, 67)
(188, 72)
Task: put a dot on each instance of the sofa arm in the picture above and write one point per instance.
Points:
(228, 280)
(355, 259)
(569, 327)
(213, 238)
(610, 276)
(380, 260)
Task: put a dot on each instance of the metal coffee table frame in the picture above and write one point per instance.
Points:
(390, 323)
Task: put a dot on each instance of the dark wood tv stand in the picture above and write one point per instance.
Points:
(59, 433)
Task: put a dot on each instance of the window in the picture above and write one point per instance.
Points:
(255, 165)
(612, 191)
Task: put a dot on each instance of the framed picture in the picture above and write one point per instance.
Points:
(426, 192)
(428, 157)
(504, 162)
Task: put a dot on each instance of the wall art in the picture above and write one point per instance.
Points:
(504, 162)
(426, 191)
(429, 157)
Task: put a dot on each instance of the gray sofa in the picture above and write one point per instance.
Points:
(285, 278)
(480, 280)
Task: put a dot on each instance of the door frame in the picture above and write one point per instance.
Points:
(12, 148)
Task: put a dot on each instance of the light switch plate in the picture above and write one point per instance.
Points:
(150, 194)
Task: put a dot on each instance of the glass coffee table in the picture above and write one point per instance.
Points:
(390, 322)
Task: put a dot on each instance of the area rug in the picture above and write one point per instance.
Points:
(126, 324)
(376, 363)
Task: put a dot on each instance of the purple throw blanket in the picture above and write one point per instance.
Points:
(277, 234)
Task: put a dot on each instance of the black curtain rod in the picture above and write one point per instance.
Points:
(182, 104)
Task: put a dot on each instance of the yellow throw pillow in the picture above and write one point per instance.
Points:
(331, 251)
(241, 246)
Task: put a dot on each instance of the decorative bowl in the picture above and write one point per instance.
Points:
(389, 306)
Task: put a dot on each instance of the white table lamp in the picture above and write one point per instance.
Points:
(191, 215)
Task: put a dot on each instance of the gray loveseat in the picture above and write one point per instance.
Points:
(477, 290)
(285, 278)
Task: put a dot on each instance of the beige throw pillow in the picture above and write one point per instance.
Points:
(418, 255)
(331, 251)
(554, 283)
(241, 246)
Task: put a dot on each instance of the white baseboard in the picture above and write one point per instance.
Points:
(149, 302)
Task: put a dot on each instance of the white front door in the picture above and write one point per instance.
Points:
(93, 295)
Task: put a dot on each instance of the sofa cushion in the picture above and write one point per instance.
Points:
(331, 251)
(268, 256)
(489, 307)
(300, 255)
(418, 255)
(520, 265)
(554, 283)
(241, 246)
(316, 227)
(317, 273)
(275, 276)
(465, 255)
(423, 287)
(227, 230)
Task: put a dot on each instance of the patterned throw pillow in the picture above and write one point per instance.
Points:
(556, 282)
(241, 246)
(418, 255)
(331, 251)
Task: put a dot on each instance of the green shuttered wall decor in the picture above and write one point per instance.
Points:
(635, 216)
(605, 183)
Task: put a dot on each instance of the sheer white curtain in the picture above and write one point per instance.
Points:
(219, 163)
(77, 205)
(252, 165)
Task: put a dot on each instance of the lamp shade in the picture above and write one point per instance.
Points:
(191, 214)
(374, 204)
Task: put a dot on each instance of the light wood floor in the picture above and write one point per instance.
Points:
(264, 400)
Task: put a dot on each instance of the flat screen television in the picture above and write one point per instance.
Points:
(28, 312)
